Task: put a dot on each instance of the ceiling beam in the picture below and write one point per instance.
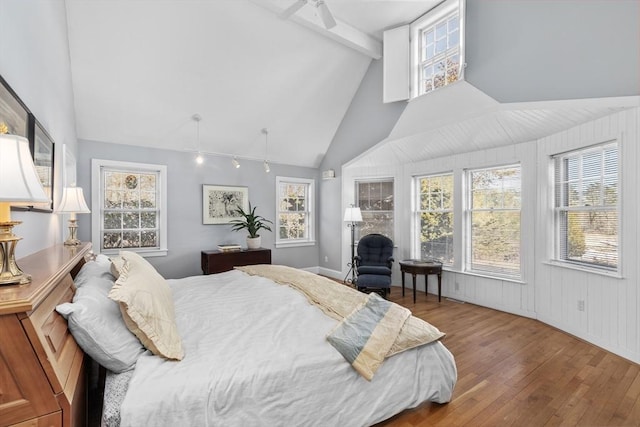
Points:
(342, 33)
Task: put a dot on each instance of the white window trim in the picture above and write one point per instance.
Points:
(555, 259)
(310, 240)
(416, 246)
(372, 180)
(516, 277)
(434, 15)
(96, 204)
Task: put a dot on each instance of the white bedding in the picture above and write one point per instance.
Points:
(256, 354)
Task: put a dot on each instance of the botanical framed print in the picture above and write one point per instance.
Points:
(220, 203)
(14, 116)
(43, 151)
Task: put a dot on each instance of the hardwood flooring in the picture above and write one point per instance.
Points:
(518, 371)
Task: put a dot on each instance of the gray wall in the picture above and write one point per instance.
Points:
(34, 60)
(367, 122)
(532, 50)
(187, 235)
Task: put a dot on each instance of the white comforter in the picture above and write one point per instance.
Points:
(256, 355)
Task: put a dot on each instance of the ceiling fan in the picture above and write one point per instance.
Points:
(325, 14)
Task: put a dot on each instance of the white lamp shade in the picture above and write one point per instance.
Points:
(19, 181)
(72, 201)
(353, 214)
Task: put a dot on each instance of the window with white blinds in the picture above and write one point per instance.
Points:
(586, 206)
(493, 221)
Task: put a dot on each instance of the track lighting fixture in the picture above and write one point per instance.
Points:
(235, 163)
(196, 118)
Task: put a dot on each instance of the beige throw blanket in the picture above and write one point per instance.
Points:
(339, 301)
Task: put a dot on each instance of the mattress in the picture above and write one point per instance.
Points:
(256, 354)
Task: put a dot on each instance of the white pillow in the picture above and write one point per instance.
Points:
(146, 304)
(96, 323)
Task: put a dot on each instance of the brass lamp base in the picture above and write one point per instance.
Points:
(10, 273)
(72, 240)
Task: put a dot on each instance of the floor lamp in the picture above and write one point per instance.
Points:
(352, 216)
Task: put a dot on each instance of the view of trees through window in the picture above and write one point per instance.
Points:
(293, 211)
(440, 53)
(130, 215)
(435, 217)
(587, 206)
(494, 219)
(375, 200)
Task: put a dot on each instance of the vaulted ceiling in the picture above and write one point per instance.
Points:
(141, 69)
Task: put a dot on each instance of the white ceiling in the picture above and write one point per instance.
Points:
(142, 68)
(465, 119)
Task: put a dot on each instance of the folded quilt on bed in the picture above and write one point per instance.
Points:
(341, 302)
(366, 335)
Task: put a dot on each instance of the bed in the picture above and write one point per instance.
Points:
(253, 352)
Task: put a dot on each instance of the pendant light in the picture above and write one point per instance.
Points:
(196, 118)
(265, 131)
(235, 162)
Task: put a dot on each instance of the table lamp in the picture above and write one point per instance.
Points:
(19, 183)
(72, 203)
(352, 216)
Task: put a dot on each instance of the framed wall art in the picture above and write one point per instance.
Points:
(219, 203)
(43, 151)
(14, 116)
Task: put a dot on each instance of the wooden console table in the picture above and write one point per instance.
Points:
(415, 267)
(217, 261)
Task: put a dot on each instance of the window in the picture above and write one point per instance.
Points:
(295, 217)
(375, 200)
(493, 221)
(130, 202)
(437, 47)
(434, 217)
(586, 206)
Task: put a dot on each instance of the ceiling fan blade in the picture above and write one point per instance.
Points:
(293, 9)
(325, 14)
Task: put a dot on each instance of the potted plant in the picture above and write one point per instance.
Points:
(252, 223)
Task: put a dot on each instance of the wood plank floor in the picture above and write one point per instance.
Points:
(518, 371)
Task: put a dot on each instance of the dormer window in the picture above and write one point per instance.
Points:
(439, 53)
(437, 47)
(425, 55)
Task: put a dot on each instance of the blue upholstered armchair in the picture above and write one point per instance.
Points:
(373, 263)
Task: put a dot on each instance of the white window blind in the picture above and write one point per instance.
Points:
(586, 206)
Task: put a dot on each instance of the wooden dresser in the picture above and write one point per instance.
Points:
(42, 369)
(217, 262)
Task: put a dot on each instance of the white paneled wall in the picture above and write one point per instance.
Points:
(610, 318)
(547, 292)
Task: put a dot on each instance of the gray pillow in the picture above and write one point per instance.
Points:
(96, 323)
